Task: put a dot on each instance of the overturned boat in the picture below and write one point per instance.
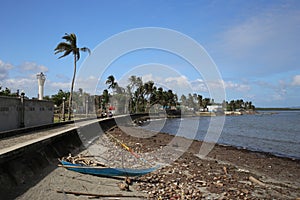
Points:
(105, 171)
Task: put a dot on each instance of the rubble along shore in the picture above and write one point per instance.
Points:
(225, 173)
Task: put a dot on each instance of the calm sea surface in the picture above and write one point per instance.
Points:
(278, 133)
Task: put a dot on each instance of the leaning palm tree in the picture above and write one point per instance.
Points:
(68, 47)
(111, 82)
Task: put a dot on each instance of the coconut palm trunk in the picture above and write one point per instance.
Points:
(72, 89)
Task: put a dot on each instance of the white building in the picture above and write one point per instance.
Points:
(214, 108)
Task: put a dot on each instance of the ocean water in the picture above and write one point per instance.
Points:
(276, 132)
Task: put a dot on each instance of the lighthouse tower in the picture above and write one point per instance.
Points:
(41, 80)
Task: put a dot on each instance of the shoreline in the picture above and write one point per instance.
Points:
(225, 173)
(195, 114)
(143, 121)
(274, 171)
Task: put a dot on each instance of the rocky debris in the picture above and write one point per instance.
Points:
(123, 186)
(128, 181)
(190, 177)
(222, 175)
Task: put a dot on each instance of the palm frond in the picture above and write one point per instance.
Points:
(70, 46)
(63, 46)
(85, 49)
(71, 38)
(67, 52)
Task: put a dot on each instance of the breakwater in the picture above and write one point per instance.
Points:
(24, 165)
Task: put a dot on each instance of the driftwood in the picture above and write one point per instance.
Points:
(254, 180)
(83, 160)
(99, 195)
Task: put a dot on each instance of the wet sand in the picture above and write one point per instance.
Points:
(226, 173)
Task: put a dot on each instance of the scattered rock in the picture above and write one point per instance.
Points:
(123, 186)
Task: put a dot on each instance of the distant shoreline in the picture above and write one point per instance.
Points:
(279, 109)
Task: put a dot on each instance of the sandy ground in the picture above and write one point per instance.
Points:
(226, 173)
(64, 180)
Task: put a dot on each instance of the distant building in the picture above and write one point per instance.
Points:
(41, 81)
(214, 108)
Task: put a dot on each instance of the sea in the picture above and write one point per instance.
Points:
(274, 132)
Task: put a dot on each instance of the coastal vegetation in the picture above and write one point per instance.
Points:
(142, 96)
(138, 97)
(7, 92)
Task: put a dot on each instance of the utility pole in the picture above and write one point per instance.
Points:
(22, 122)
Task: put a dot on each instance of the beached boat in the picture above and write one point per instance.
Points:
(105, 171)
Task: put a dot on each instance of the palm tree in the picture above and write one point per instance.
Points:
(68, 47)
(135, 84)
(105, 99)
(199, 99)
(111, 82)
(148, 89)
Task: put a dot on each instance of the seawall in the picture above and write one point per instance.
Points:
(23, 167)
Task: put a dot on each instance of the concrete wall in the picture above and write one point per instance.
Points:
(23, 168)
(9, 117)
(35, 113)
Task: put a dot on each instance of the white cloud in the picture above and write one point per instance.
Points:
(236, 86)
(21, 77)
(179, 84)
(88, 84)
(5, 66)
(296, 80)
(63, 77)
(147, 77)
(150, 77)
(199, 85)
(274, 91)
(26, 84)
(29, 85)
(277, 97)
(182, 85)
(268, 42)
(171, 82)
(58, 85)
(15, 82)
(4, 69)
(227, 85)
(32, 67)
(179, 81)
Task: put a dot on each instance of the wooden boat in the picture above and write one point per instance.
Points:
(105, 171)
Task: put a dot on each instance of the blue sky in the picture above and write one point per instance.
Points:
(254, 44)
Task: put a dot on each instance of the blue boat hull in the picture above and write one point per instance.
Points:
(100, 171)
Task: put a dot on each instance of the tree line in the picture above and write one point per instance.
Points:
(142, 96)
(136, 97)
(7, 92)
(139, 96)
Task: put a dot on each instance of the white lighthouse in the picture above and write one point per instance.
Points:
(41, 80)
